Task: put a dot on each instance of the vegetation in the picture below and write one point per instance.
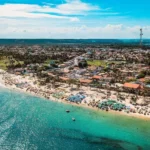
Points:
(83, 64)
(141, 75)
(97, 63)
(48, 61)
(6, 62)
(3, 63)
(131, 80)
(134, 98)
(103, 63)
(148, 81)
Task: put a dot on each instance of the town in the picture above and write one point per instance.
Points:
(107, 77)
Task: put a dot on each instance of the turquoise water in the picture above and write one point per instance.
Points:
(73, 41)
(31, 123)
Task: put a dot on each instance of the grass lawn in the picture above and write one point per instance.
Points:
(3, 62)
(117, 62)
(102, 63)
(97, 63)
(2, 66)
(47, 62)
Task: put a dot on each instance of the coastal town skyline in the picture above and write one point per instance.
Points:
(67, 19)
(75, 75)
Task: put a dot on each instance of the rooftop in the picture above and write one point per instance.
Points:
(132, 85)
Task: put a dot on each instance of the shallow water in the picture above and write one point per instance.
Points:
(31, 123)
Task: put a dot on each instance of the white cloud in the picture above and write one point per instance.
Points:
(35, 21)
(76, 7)
(29, 28)
(74, 20)
(26, 11)
(61, 11)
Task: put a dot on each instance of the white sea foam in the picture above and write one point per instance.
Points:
(2, 85)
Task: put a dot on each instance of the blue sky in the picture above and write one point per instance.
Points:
(74, 18)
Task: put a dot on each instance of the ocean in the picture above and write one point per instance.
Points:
(73, 41)
(31, 123)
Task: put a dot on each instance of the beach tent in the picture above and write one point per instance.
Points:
(110, 102)
(76, 98)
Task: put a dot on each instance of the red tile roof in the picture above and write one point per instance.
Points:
(142, 79)
(51, 74)
(85, 81)
(66, 71)
(132, 85)
(64, 78)
(97, 77)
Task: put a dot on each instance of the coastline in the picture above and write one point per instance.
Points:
(14, 88)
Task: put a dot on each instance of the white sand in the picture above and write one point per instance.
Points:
(91, 94)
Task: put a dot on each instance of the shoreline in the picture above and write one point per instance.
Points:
(81, 105)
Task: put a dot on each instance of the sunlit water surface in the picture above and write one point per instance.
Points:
(31, 123)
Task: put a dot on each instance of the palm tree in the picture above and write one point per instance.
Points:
(134, 98)
(54, 83)
(68, 82)
(78, 86)
(71, 82)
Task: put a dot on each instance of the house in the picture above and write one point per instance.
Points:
(107, 79)
(96, 77)
(51, 74)
(17, 73)
(64, 78)
(132, 87)
(146, 89)
(127, 72)
(142, 80)
(85, 81)
(66, 70)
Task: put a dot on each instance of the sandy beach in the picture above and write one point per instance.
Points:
(31, 87)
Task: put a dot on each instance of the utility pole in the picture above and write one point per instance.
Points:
(141, 34)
